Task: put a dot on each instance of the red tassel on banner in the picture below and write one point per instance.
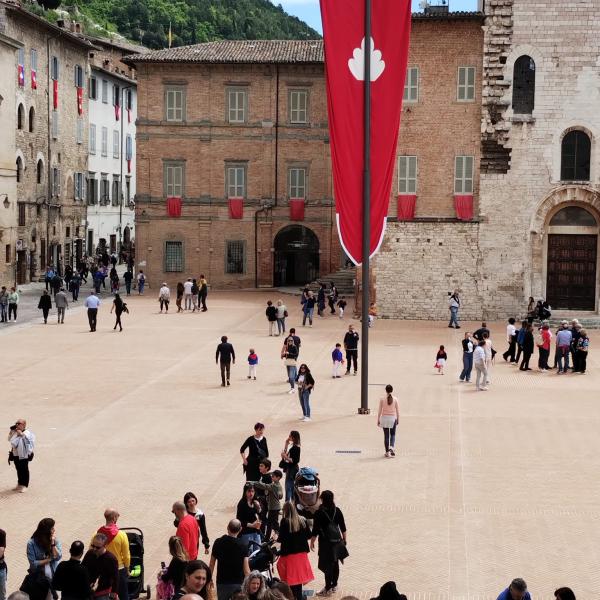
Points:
(463, 205)
(174, 206)
(55, 94)
(297, 209)
(236, 208)
(21, 75)
(80, 100)
(406, 207)
(129, 165)
(117, 112)
(33, 80)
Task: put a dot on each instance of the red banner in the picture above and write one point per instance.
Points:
(297, 209)
(236, 208)
(55, 94)
(129, 165)
(21, 75)
(33, 79)
(463, 205)
(80, 100)
(343, 34)
(117, 112)
(174, 206)
(406, 207)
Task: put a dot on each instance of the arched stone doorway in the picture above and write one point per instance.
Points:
(296, 256)
(565, 249)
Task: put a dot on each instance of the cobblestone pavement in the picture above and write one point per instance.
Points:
(485, 486)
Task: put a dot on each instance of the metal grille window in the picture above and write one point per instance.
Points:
(7, 253)
(298, 106)
(128, 147)
(128, 189)
(116, 143)
(524, 85)
(235, 257)
(92, 189)
(104, 190)
(175, 103)
(297, 183)
(115, 190)
(54, 68)
(116, 100)
(173, 257)
(22, 208)
(236, 100)
(407, 174)
(466, 84)
(39, 171)
(34, 60)
(78, 76)
(55, 124)
(78, 182)
(463, 175)
(93, 88)
(173, 179)
(55, 181)
(411, 85)
(104, 148)
(79, 132)
(105, 91)
(575, 157)
(236, 182)
(92, 139)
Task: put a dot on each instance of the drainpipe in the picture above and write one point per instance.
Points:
(276, 129)
(263, 209)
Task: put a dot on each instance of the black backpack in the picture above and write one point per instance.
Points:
(332, 532)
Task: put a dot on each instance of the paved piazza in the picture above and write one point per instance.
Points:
(485, 486)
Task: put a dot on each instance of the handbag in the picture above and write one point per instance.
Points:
(30, 457)
(290, 362)
(283, 465)
(285, 313)
(11, 457)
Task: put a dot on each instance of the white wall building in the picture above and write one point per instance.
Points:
(111, 166)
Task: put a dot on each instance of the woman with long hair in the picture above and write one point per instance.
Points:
(197, 579)
(306, 384)
(254, 585)
(179, 295)
(118, 306)
(293, 564)
(289, 353)
(248, 514)
(191, 504)
(44, 550)
(176, 568)
(330, 528)
(290, 462)
(387, 418)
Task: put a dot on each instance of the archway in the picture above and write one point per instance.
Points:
(296, 256)
(572, 255)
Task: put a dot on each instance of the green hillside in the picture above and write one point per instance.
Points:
(194, 21)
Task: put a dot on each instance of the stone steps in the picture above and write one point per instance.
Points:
(343, 280)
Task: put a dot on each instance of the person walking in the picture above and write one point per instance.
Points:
(332, 298)
(440, 360)
(338, 360)
(141, 282)
(351, 347)
(179, 296)
(92, 302)
(293, 565)
(230, 556)
(329, 527)
(479, 362)
(164, 297)
(543, 345)
(388, 417)
(528, 346)
(3, 305)
(321, 299)
(13, 303)
(282, 313)
(48, 277)
(224, 356)
(289, 354)
(119, 306)
(117, 543)
(583, 346)
(467, 347)
(203, 293)
(62, 303)
(252, 364)
(257, 448)
(22, 445)
(511, 338)
(191, 505)
(520, 339)
(306, 384)
(454, 306)
(271, 314)
(44, 550)
(45, 304)
(187, 294)
(127, 278)
(75, 285)
(290, 462)
(308, 309)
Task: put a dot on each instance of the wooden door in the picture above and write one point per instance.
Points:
(571, 281)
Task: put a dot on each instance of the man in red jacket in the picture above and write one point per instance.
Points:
(187, 529)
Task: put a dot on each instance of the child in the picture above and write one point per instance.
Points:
(274, 494)
(440, 360)
(341, 306)
(372, 313)
(252, 362)
(338, 361)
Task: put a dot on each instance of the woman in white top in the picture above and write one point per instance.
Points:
(387, 418)
(489, 355)
(479, 362)
(281, 315)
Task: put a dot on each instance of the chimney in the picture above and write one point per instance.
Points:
(75, 27)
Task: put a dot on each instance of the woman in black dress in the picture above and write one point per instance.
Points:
(257, 448)
(118, 306)
(290, 459)
(329, 526)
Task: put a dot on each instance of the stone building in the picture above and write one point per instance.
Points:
(51, 141)
(8, 175)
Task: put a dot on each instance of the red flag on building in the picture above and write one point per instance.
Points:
(129, 165)
(174, 206)
(21, 75)
(33, 79)
(80, 100)
(117, 112)
(55, 94)
(343, 34)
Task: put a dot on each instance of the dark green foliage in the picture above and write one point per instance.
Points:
(194, 21)
(49, 4)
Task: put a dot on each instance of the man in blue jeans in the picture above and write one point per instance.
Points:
(454, 305)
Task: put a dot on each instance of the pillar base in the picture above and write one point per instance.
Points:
(364, 411)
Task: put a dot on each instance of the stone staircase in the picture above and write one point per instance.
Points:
(588, 321)
(343, 280)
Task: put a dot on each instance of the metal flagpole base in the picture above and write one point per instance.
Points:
(364, 411)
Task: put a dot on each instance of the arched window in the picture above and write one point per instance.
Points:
(575, 156)
(19, 169)
(31, 119)
(20, 117)
(573, 216)
(40, 171)
(524, 85)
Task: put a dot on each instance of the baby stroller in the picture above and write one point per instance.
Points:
(135, 582)
(307, 486)
(262, 559)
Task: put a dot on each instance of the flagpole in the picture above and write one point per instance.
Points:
(366, 232)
